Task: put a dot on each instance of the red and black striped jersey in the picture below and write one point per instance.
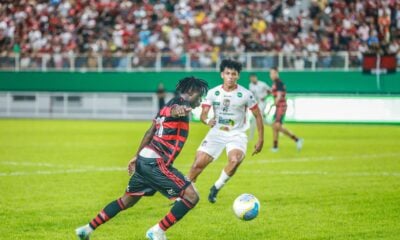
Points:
(171, 132)
(279, 86)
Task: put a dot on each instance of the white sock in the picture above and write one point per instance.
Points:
(223, 178)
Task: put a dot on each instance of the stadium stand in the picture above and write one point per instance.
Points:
(123, 34)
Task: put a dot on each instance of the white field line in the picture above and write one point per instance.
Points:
(117, 169)
(66, 169)
(318, 159)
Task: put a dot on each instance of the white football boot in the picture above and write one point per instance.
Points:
(299, 144)
(156, 233)
(83, 232)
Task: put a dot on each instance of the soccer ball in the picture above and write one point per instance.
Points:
(246, 207)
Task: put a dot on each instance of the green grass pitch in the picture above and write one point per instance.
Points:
(56, 175)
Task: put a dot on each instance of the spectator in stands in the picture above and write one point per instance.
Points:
(145, 28)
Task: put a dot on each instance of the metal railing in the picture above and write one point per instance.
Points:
(185, 62)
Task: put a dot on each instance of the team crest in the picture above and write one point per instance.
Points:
(216, 93)
(239, 94)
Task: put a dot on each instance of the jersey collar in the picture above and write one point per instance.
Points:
(236, 86)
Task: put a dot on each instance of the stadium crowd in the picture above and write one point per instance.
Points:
(145, 27)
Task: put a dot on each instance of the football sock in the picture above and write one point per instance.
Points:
(294, 138)
(275, 144)
(223, 178)
(180, 208)
(112, 209)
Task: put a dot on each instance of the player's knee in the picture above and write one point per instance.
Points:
(235, 160)
(192, 196)
(129, 201)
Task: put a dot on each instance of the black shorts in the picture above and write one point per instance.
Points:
(153, 175)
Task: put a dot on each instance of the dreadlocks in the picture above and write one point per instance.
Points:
(232, 64)
(189, 84)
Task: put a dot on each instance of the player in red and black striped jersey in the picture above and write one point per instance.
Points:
(279, 93)
(152, 170)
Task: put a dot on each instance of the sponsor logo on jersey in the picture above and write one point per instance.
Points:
(226, 104)
(226, 121)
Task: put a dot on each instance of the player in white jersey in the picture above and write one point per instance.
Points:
(260, 91)
(230, 102)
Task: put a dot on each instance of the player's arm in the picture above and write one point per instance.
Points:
(180, 111)
(260, 129)
(204, 116)
(146, 140)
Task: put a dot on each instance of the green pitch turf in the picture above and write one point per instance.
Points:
(57, 175)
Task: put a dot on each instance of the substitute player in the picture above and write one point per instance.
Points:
(279, 93)
(260, 91)
(152, 165)
(229, 102)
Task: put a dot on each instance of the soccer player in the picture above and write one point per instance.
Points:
(260, 91)
(228, 130)
(151, 168)
(279, 93)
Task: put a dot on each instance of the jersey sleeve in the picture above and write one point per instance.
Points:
(251, 101)
(207, 101)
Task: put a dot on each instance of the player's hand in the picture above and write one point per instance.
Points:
(258, 147)
(132, 165)
(212, 122)
(181, 111)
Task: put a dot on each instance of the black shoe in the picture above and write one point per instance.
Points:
(212, 197)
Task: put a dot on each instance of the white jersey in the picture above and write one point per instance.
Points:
(259, 90)
(230, 108)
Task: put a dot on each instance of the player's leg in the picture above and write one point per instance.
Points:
(137, 188)
(288, 133)
(108, 212)
(299, 141)
(171, 183)
(210, 149)
(285, 131)
(236, 149)
(275, 135)
(200, 163)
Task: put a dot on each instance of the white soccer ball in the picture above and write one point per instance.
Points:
(246, 207)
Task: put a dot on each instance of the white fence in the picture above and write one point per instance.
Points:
(188, 62)
(136, 106)
(144, 106)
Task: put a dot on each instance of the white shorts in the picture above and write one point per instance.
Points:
(216, 140)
